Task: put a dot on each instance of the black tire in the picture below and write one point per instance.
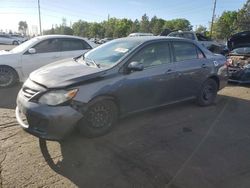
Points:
(99, 119)
(207, 93)
(8, 77)
(15, 43)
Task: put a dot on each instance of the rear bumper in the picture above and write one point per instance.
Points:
(47, 122)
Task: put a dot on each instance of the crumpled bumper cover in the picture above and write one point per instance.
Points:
(47, 122)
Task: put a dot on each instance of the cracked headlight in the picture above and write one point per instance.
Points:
(57, 97)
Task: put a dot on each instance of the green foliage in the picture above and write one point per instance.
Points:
(81, 28)
(22, 27)
(156, 25)
(116, 28)
(201, 29)
(135, 26)
(178, 24)
(225, 25)
(144, 24)
(243, 17)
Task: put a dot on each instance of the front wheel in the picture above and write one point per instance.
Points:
(15, 43)
(8, 76)
(207, 93)
(99, 119)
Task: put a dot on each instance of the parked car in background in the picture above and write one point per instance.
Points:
(239, 57)
(102, 41)
(211, 45)
(115, 79)
(7, 39)
(140, 34)
(20, 38)
(17, 64)
(94, 40)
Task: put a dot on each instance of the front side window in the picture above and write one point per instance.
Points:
(49, 45)
(186, 51)
(153, 54)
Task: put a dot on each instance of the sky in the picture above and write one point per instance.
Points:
(198, 12)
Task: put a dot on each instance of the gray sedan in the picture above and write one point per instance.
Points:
(124, 76)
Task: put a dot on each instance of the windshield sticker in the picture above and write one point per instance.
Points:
(121, 50)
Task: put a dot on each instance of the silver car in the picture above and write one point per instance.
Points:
(7, 39)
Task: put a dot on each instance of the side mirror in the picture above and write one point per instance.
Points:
(32, 50)
(135, 66)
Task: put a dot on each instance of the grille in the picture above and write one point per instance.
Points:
(29, 93)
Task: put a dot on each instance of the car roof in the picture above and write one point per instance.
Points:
(59, 36)
(144, 39)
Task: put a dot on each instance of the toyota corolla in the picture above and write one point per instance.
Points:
(124, 76)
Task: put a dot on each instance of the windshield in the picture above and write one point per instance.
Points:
(24, 46)
(242, 50)
(111, 52)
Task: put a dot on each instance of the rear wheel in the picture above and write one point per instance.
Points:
(99, 119)
(8, 76)
(207, 93)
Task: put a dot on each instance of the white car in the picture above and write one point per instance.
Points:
(7, 39)
(17, 64)
(19, 38)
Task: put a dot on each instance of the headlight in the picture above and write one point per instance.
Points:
(57, 97)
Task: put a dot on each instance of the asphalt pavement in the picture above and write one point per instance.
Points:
(179, 146)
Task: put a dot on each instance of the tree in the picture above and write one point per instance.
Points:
(144, 25)
(122, 28)
(22, 27)
(243, 17)
(96, 30)
(81, 28)
(178, 24)
(225, 25)
(135, 26)
(157, 25)
(201, 29)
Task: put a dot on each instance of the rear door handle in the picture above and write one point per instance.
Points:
(55, 57)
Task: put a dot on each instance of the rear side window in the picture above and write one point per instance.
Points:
(46, 46)
(74, 44)
(186, 51)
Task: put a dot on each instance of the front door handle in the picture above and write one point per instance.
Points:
(169, 71)
(55, 57)
(203, 65)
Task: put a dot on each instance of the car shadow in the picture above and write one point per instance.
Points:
(8, 96)
(147, 149)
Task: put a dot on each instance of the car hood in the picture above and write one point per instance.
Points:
(4, 52)
(8, 58)
(237, 40)
(65, 73)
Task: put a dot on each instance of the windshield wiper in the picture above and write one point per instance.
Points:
(91, 61)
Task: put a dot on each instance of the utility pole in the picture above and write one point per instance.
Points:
(213, 16)
(40, 25)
